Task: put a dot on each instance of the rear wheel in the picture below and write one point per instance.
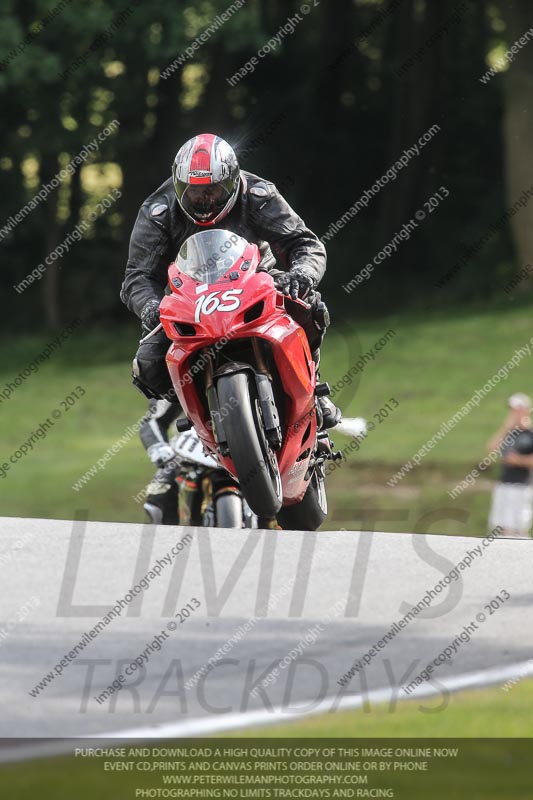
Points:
(255, 462)
(310, 512)
(228, 511)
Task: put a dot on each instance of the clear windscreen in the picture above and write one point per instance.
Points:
(208, 255)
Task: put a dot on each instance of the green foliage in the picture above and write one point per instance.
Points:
(345, 118)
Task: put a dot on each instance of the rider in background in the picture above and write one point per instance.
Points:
(161, 502)
(175, 493)
(208, 189)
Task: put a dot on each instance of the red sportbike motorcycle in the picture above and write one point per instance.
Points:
(243, 372)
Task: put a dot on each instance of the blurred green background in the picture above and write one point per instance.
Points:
(324, 115)
(431, 367)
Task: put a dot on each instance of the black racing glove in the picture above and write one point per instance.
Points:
(296, 283)
(150, 316)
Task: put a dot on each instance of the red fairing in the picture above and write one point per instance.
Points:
(210, 316)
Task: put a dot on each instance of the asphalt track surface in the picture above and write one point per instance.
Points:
(327, 597)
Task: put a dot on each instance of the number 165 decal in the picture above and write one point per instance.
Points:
(208, 303)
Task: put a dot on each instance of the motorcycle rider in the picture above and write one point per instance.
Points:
(162, 495)
(161, 502)
(208, 189)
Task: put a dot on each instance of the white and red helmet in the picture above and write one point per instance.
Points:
(206, 178)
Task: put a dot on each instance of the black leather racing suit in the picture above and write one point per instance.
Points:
(260, 215)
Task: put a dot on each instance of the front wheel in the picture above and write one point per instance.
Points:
(255, 462)
(310, 512)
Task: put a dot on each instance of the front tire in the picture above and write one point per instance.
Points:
(255, 462)
(310, 512)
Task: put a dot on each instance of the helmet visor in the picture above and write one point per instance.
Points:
(204, 201)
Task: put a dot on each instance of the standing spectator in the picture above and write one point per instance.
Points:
(512, 498)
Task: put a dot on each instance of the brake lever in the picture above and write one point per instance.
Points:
(297, 300)
(149, 335)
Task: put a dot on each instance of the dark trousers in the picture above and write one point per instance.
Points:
(150, 373)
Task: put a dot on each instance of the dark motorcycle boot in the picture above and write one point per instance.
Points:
(329, 414)
(161, 502)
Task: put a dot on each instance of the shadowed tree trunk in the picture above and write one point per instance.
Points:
(135, 156)
(167, 135)
(518, 130)
(416, 103)
(50, 280)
